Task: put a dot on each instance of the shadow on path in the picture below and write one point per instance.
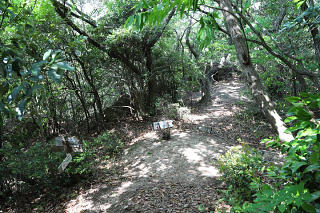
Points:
(177, 175)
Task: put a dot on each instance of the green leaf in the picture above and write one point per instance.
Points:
(282, 208)
(129, 21)
(295, 166)
(311, 168)
(293, 99)
(300, 3)
(138, 20)
(308, 207)
(303, 115)
(315, 196)
(39, 63)
(14, 93)
(56, 54)
(195, 4)
(314, 158)
(215, 14)
(11, 13)
(307, 132)
(305, 95)
(53, 75)
(47, 54)
(289, 119)
(35, 70)
(64, 66)
(37, 78)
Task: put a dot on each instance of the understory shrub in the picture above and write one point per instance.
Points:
(296, 184)
(103, 147)
(239, 167)
(33, 168)
(298, 188)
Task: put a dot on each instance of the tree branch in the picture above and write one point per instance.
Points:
(192, 50)
(112, 54)
(270, 50)
(82, 16)
(154, 40)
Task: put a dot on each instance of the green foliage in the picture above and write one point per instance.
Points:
(239, 167)
(155, 12)
(276, 82)
(311, 14)
(19, 83)
(300, 175)
(37, 165)
(206, 33)
(27, 166)
(108, 144)
(105, 146)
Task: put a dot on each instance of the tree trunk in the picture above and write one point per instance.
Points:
(205, 87)
(1, 133)
(94, 90)
(253, 81)
(277, 23)
(314, 32)
(312, 76)
(82, 100)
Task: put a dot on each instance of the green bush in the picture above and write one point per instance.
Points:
(239, 167)
(299, 177)
(105, 145)
(22, 168)
(37, 165)
(276, 83)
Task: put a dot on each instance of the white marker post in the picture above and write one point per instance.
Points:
(70, 144)
(65, 162)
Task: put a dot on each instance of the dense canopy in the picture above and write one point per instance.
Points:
(83, 67)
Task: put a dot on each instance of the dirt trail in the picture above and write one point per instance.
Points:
(177, 175)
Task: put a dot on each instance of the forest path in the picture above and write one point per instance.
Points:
(177, 175)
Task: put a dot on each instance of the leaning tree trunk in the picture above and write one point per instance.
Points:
(253, 81)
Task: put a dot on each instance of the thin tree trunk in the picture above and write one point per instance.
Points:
(252, 77)
(1, 133)
(205, 87)
(277, 24)
(313, 77)
(92, 86)
(314, 32)
(79, 95)
(191, 48)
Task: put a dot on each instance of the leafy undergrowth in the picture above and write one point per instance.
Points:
(295, 184)
(30, 180)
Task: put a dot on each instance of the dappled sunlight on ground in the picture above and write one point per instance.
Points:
(179, 173)
(185, 158)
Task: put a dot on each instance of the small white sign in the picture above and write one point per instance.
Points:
(59, 141)
(73, 141)
(162, 125)
(65, 162)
